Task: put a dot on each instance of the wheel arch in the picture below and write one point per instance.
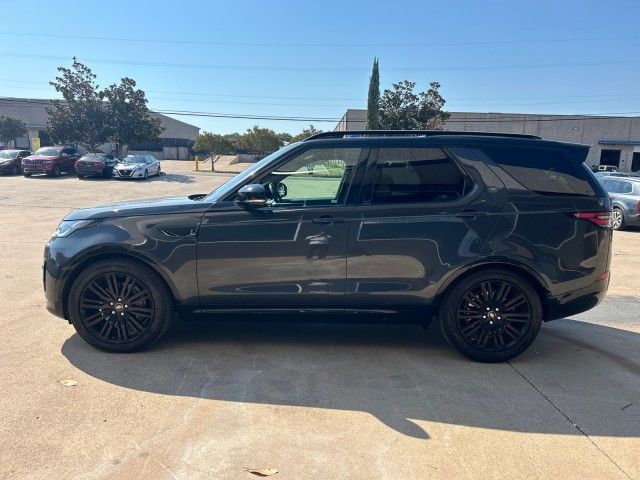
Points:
(516, 268)
(114, 255)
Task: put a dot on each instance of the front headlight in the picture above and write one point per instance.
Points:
(67, 227)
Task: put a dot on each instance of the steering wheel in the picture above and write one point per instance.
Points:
(277, 191)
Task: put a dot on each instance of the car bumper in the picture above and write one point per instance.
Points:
(632, 220)
(6, 168)
(38, 169)
(117, 174)
(577, 301)
(91, 171)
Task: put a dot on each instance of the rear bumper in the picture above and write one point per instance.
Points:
(577, 301)
(92, 171)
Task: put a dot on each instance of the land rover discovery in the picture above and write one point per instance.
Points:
(488, 234)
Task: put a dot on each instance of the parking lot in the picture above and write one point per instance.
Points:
(313, 401)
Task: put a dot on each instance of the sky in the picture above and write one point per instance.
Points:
(312, 60)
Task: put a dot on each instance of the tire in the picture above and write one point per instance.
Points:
(158, 174)
(15, 170)
(26, 175)
(136, 292)
(56, 172)
(146, 174)
(617, 219)
(80, 176)
(473, 322)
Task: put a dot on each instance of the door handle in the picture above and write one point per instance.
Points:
(328, 219)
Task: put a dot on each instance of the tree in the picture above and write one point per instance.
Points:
(306, 133)
(373, 100)
(213, 144)
(130, 121)
(285, 137)
(81, 117)
(259, 141)
(402, 109)
(10, 129)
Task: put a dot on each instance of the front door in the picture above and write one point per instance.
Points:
(421, 218)
(290, 253)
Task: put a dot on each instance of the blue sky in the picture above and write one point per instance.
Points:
(313, 59)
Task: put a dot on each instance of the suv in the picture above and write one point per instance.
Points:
(491, 234)
(50, 161)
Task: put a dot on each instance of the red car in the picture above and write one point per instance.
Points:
(50, 161)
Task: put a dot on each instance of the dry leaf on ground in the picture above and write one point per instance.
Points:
(262, 472)
(68, 383)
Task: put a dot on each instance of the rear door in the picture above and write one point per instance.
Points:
(425, 211)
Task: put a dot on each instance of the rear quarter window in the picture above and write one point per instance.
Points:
(542, 170)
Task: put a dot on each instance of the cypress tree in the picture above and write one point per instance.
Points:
(373, 100)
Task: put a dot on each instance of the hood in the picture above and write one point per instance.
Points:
(129, 166)
(151, 206)
(41, 157)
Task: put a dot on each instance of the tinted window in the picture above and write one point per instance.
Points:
(613, 186)
(317, 176)
(543, 171)
(416, 175)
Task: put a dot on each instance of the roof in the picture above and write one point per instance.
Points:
(32, 111)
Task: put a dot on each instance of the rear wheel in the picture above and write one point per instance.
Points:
(120, 306)
(617, 219)
(491, 316)
(80, 176)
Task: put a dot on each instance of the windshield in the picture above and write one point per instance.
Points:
(227, 187)
(48, 151)
(8, 154)
(134, 159)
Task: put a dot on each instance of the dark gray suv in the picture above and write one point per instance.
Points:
(490, 234)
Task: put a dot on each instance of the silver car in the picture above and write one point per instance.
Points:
(137, 166)
(625, 194)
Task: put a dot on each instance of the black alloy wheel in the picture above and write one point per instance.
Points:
(492, 317)
(120, 306)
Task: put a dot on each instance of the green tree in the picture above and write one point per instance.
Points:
(259, 141)
(233, 138)
(285, 137)
(130, 121)
(402, 109)
(10, 129)
(373, 100)
(213, 144)
(81, 117)
(306, 133)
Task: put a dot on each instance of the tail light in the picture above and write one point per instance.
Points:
(602, 219)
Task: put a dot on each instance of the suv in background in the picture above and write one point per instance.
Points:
(51, 161)
(491, 234)
(625, 195)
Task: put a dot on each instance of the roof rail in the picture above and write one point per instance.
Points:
(410, 133)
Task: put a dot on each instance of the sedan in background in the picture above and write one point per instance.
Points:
(137, 166)
(11, 161)
(625, 195)
(96, 164)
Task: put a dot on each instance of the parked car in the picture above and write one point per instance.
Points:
(601, 175)
(137, 166)
(11, 161)
(625, 195)
(95, 164)
(490, 233)
(604, 168)
(51, 161)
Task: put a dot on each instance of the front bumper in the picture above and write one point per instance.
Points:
(127, 174)
(48, 169)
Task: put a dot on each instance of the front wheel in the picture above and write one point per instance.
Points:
(15, 170)
(120, 306)
(617, 219)
(80, 176)
(491, 316)
(56, 172)
(146, 174)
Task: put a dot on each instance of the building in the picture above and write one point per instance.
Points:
(613, 140)
(175, 141)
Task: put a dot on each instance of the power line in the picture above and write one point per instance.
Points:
(321, 44)
(327, 68)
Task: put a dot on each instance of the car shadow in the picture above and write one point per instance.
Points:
(398, 373)
(171, 177)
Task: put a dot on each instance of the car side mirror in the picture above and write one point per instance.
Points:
(253, 195)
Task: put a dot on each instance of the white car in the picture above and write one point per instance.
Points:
(137, 166)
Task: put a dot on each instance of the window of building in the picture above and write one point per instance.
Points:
(408, 175)
(542, 170)
(610, 157)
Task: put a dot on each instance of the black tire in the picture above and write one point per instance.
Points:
(56, 172)
(80, 176)
(480, 330)
(15, 170)
(26, 175)
(617, 219)
(146, 174)
(120, 282)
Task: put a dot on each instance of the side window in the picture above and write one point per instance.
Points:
(625, 187)
(614, 186)
(406, 175)
(318, 176)
(542, 170)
